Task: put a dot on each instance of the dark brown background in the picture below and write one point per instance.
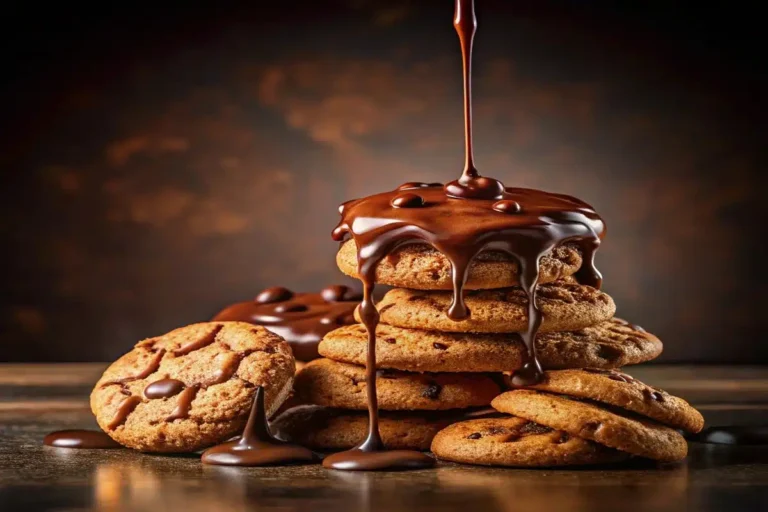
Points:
(159, 163)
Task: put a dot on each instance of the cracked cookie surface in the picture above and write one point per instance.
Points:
(565, 306)
(192, 387)
(603, 424)
(342, 385)
(517, 442)
(422, 267)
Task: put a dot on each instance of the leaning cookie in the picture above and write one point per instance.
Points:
(193, 387)
(618, 389)
(341, 385)
(419, 266)
(612, 427)
(516, 442)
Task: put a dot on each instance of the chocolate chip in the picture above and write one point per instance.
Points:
(274, 294)
(564, 438)
(391, 341)
(474, 435)
(507, 206)
(432, 391)
(440, 346)
(290, 308)
(408, 200)
(534, 428)
(652, 395)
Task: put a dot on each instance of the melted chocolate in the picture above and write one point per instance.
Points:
(84, 439)
(734, 435)
(151, 368)
(181, 411)
(257, 446)
(125, 408)
(163, 388)
(301, 318)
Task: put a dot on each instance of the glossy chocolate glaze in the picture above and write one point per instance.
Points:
(83, 439)
(302, 319)
(461, 219)
(257, 446)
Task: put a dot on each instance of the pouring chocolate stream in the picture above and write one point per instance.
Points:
(461, 219)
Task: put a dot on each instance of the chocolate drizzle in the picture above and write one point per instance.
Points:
(301, 318)
(84, 439)
(461, 220)
(257, 446)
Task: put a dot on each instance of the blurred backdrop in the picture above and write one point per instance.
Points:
(160, 163)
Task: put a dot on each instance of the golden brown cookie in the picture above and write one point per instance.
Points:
(610, 344)
(421, 267)
(193, 387)
(621, 390)
(415, 350)
(327, 429)
(602, 424)
(342, 385)
(517, 442)
(565, 306)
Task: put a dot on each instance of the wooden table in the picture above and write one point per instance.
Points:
(36, 399)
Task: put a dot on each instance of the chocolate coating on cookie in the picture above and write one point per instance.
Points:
(302, 319)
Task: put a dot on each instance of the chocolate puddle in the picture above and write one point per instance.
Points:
(461, 219)
(257, 446)
(83, 439)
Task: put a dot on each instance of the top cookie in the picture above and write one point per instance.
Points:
(193, 387)
(565, 306)
(421, 267)
(619, 389)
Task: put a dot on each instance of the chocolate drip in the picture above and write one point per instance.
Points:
(163, 388)
(301, 318)
(84, 439)
(257, 446)
(461, 220)
(151, 368)
(184, 404)
(125, 408)
(198, 344)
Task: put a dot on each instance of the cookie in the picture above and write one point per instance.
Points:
(612, 427)
(422, 267)
(621, 390)
(610, 344)
(607, 345)
(342, 385)
(517, 442)
(192, 387)
(565, 306)
(327, 429)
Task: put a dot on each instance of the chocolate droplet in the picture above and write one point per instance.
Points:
(338, 293)
(507, 206)
(474, 435)
(163, 388)
(274, 294)
(417, 184)
(290, 308)
(475, 188)
(408, 200)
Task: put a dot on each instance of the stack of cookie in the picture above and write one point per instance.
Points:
(428, 362)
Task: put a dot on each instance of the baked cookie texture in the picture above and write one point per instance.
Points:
(211, 371)
(517, 442)
(342, 385)
(608, 344)
(618, 389)
(615, 427)
(421, 267)
(328, 429)
(565, 306)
